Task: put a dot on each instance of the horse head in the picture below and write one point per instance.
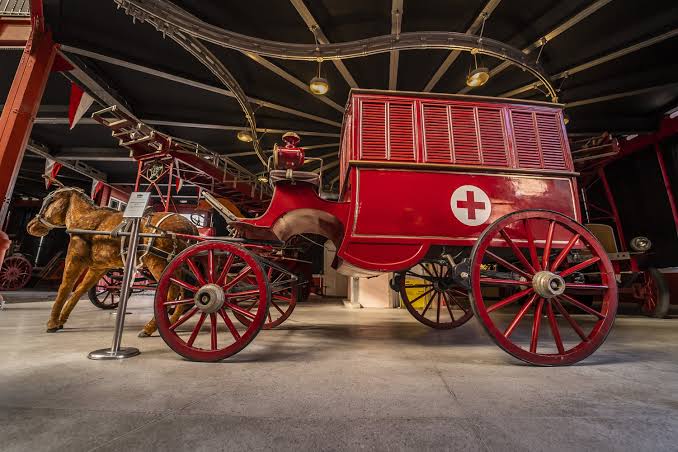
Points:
(54, 210)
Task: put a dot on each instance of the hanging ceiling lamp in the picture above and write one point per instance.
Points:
(318, 84)
(245, 136)
(479, 76)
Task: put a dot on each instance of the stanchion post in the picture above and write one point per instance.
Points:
(133, 212)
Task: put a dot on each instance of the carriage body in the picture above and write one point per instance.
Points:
(470, 201)
(420, 171)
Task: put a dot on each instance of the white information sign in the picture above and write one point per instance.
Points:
(136, 205)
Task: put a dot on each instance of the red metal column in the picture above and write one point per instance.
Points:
(613, 208)
(21, 108)
(667, 184)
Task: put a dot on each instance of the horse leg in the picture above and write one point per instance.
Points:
(90, 279)
(172, 294)
(156, 266)
(72, 270)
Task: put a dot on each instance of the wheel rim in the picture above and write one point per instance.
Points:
(205, 330)
(15, 273)
(284, 296)
(430, 295)
(650, 295)
(530, 253)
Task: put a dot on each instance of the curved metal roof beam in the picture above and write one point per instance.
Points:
(173, 20)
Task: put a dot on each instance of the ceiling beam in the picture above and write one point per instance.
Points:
(104, 94)
(293, 80)
(327, 166)
(560, 29)
(626, 50)
(94, 154)
(192, 125)
(306, 148)
(313, 25)
(396, 26)
(77, 166)
(193, 83)
(609, 97)
(452, 56)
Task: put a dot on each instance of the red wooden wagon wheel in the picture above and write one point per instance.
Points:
(216, 280)
(105, 294)
(549, 260)
(15, 272)
(430, 294)
(284, 296)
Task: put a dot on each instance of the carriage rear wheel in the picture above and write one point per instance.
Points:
(656, 295)
(106, 293)
(216, 280)
(15, 272)
(432, 297)
(285, 292)
(550, 262)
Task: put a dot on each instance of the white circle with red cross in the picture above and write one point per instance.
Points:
(471, 205)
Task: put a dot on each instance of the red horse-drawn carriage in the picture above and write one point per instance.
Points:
(472, 200)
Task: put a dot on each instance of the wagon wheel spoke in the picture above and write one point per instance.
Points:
(190, 313)
(548, 243)
(564, 252)
(581, 305)
(420, 296)
(213, 331)
(420, 276)
(514, 323)
(229, 324)
(508, 265)
(428, 305)
(196, 330)
(184, 284)
(516, 251)
(244, 293)
(573, 323)
(503, 282)
(275, 305)
(239, 310)
(508, 300)
(449, 308)
(210, 266)
(196, 272)
(554, 327)
(239, 277)
(227, 267)
(536, 322)
(178, 302)
(580, 266)
(417, 286)
(577, 286)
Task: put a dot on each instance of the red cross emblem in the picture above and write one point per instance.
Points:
(471, 205)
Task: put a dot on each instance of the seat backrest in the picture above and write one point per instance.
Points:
(605, 235)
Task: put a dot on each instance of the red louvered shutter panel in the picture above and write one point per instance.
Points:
(437, 145)
(401, 131)
(465, 138)
(525, 139)
(373, 131)
(492, 139)
(550, 139)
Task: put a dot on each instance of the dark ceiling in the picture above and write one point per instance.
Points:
(101, 28)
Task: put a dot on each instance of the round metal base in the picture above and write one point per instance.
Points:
(107, 353)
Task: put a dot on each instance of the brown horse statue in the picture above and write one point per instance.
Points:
(71, 208)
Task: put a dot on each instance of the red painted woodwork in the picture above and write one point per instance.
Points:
(21, 108)
(14, 31)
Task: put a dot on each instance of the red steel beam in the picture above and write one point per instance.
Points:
(613, 208)
(667, 184)
(21, 108)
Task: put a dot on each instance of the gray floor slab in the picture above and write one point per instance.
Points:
(330, 379)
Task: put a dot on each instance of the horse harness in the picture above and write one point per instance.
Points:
(45, 204)
(146, 248)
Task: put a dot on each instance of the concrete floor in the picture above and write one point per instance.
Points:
(331, 379)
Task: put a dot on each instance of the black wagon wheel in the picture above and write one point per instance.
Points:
(432, 297)
(655, 294)
(106, 293)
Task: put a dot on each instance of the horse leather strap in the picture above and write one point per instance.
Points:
(149, 248)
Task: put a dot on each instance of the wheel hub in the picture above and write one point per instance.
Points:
(548, 284)
(209, 298)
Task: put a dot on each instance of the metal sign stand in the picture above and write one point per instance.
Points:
(134, 211)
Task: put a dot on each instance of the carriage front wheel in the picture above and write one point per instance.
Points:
(209, 283)
(545, 263)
